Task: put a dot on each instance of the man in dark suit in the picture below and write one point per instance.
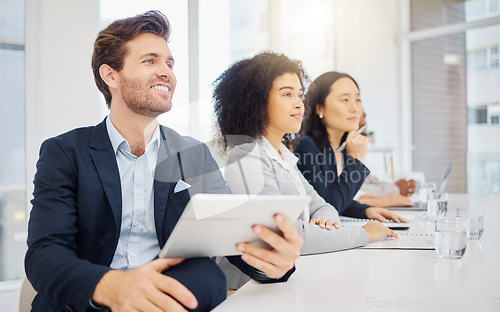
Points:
(106, 198)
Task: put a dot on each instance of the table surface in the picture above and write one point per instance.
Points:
(389, 279)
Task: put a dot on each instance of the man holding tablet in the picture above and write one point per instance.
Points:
(107, 197)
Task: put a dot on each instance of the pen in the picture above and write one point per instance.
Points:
(342, 146)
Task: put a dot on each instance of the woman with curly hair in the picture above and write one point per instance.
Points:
(331, 153)
(258, 105)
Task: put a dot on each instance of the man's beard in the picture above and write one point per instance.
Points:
(140, 100)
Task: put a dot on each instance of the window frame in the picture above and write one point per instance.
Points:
(410, 36)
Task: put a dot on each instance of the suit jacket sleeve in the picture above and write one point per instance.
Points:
(52, 263)
(320, 170)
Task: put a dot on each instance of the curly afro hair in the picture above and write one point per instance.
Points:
(241, 94)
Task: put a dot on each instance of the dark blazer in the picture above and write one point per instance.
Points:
(320, 169)
(75, 220)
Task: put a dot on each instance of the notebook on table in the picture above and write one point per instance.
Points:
(417, 207)
(360, 222)
(404, 241)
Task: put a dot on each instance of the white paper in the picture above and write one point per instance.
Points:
(404, 241)
(360, 222)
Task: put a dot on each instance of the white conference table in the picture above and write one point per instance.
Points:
(389, 280)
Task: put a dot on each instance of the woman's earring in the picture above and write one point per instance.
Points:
(320, 116)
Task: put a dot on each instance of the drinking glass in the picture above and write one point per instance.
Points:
(473, 217)
(437, 205)
(425, 190)
(450, 238)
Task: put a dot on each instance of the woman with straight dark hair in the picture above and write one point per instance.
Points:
(332, 151)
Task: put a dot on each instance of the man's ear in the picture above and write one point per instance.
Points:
(109, 75)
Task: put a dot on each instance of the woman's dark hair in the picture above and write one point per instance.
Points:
(110, 44)
(241, 95)
(316, 95)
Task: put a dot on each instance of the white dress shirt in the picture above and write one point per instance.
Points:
(138, 242)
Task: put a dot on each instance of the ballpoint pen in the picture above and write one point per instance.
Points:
(342, 146)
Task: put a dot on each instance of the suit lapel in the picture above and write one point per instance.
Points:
(103, 155)
(163, 182)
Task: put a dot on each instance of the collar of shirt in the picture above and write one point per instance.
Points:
(289, 164)
(289, 160)
(117, 140)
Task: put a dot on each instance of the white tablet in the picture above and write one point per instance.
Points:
(212, 224)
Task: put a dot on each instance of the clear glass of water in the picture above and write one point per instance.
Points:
(473, 217)
(425, 190)
(450, 238)
(437, 205)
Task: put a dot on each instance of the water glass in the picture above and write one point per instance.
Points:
(473, 217)
(450, 238)
(425, 190)
(437, 205)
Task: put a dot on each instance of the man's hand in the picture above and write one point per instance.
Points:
(382, 214)
(406, 188)
(285, 248)
(144, 289)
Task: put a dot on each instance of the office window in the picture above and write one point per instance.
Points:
(484, 114)
(493, 5)
(231, 30)
(483, 58)
(494, 113)
(13, 210)
(216, 28)
(478, 114)
(477, 59)
(440, 109)
(456, 93)
(249, 30)
(493, 56)
(434, 13)
(481, 8)
(304, 30)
